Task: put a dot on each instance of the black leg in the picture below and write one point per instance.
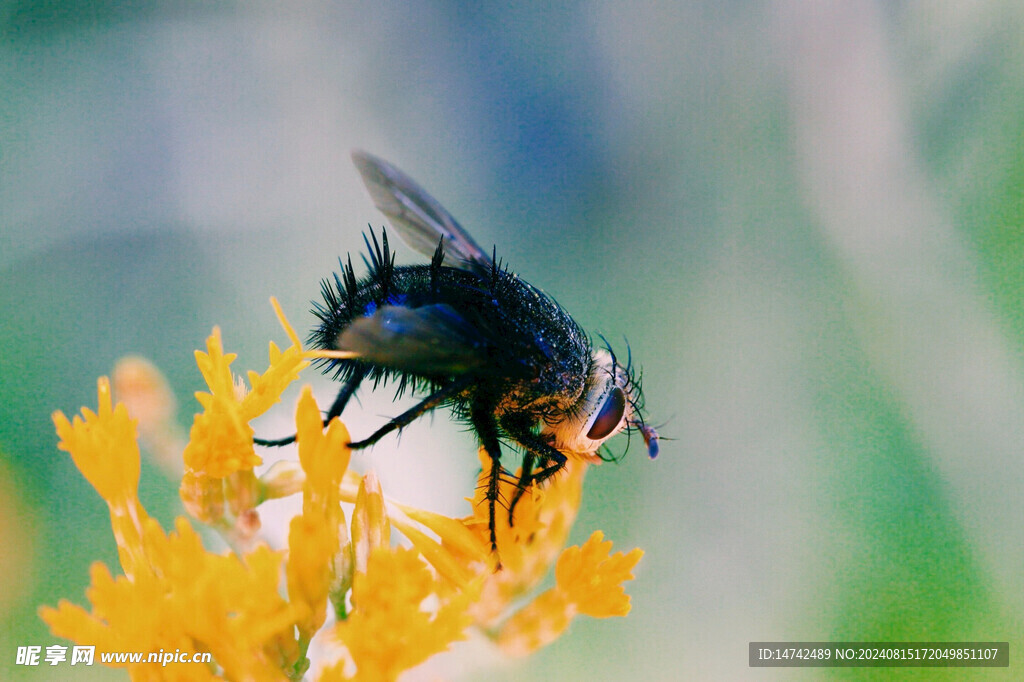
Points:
(346, 392)
(348, 389)
(525, 479)
(482, 417)
(430, 402)
(274, 443)
(536, 448)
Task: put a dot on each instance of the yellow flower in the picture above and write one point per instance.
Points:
(390, 631)
(144, 390)
(543, 519)
(591, 577)
(317, 536)
(370, 526)
(221, 439)
(588, 581)
(219, 486)
(103, 447)
(407, 603)
(185, 598)
(392, 627)
(174, 595)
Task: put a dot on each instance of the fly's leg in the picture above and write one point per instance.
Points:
(348, 389)
(524, 482)
(274, 443)
(482, 417)
(536, 447)
(430, 402)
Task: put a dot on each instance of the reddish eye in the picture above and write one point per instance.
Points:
(609, 416)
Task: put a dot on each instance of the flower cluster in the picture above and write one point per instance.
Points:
(384, 605)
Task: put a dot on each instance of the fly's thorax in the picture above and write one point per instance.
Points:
(602, 410)
(523, 397)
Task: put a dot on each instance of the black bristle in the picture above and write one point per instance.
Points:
(351, 285)
(435, 266)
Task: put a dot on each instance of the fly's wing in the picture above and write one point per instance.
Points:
(419, 218)
(431, 339)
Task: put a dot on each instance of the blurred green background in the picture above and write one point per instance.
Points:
(807, 220)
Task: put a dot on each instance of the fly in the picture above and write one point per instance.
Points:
(463, 332)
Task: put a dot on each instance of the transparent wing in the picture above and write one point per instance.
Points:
(431, 339)
(418, 217)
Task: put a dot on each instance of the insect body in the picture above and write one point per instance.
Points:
(465, 333)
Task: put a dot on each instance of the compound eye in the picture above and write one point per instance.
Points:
(610, 415)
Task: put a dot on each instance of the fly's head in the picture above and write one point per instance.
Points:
(611, 402)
